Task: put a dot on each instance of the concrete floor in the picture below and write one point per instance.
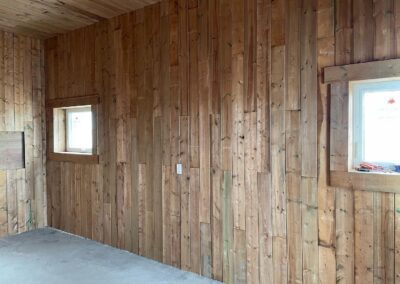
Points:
(50, 256)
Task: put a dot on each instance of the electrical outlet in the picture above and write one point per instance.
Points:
(179, 169)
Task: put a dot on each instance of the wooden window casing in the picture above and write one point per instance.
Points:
(340, 172)
(56, 115)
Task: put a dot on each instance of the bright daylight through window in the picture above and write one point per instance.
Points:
(79, 130)
(375, 125)
(73, 130)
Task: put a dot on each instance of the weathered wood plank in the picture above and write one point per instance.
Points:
(238, 114)
(344, 236)
(309, 89)
(363, 236)
(265, 227)
(12, 150)
(252, 198)
(228, 227)
(204, 113)
(263, 60)
(3, 204)
(217, 198)
(205, 250)
(157, 187)
(362, 71)
(310, 229)
(326, 194)
(12, 205)
(184, 182)
(195, 230)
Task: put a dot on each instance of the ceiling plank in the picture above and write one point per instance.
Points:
(47, 18)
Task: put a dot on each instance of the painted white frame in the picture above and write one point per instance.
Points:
(357, 90)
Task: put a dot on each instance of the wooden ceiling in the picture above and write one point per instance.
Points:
(47, 18)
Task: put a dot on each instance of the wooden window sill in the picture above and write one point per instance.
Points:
(74, 158)
(366, 181)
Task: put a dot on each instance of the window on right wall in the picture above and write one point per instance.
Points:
(375, 125)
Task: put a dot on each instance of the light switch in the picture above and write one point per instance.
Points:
(179, 169)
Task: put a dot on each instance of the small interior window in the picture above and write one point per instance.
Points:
(375, 129)
(73, 129)
(79, 130)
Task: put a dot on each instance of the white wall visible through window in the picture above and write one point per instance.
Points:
(79, 129)
(375, 108)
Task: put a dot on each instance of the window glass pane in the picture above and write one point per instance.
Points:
(381, 121)
(79, 136)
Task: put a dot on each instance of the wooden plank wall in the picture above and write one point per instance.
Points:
(232, 90)
(22, 191)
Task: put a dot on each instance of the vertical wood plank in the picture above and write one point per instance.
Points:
(184, 180)
(204, 114)
(279, 213)
(294, 196)
(310, 229)
(225, 58)
(157, 187)
(195, 230)
(217, 198)
(228, 227)
(293, 25)
(263, 84)
(344, 236)
(265, 227)
(364, 237)
(309, 89)
(326, 194)
(2, 82)
(9, 81)
(12, 207)
(205, 249)
(238, 114)
(3, 204)
(339, 103)
(142, 208)
(174, 134)
(252, 202)
(397, 239)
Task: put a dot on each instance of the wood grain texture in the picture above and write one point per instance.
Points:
(44, 19)
(22, 185)
(12, 150)
(363, 71)
(235, 92)
(375, 182)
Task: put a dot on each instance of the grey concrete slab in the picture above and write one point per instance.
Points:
(51, 256)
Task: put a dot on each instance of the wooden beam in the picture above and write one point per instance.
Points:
(75, 101)
(377, 182)
(363, 71)
(74, 158)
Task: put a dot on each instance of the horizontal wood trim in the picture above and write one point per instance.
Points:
(75, 101)
(74, 158)
(375, 182)
(363, 71)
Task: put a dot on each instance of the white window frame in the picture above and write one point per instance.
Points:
(357, 90)
(68, 129)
